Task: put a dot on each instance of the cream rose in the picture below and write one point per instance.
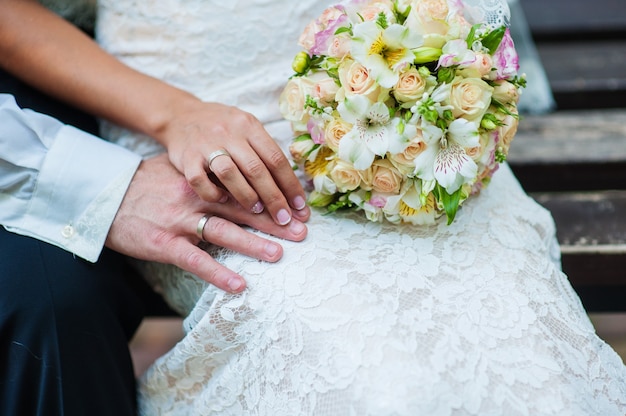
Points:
(470, 98)
(371, 12)
(432, 9)
(345, 176)
(325, 89)
(339, 46)
(299, 149)
(474, 152)
(505, 92)
(480, 68)
(356, 80)
(405, 161)
(367, 176)
(507, 132)
(410, 87)
(292, 100)
(385, 177)
(307, 38)
(328, 15)
(335, 129)
(428, 17)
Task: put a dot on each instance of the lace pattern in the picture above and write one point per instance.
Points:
(473, 320)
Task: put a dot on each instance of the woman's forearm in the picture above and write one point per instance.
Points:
(52, 55)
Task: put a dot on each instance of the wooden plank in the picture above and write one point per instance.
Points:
(571, 150)
(585, 74)
(567, 19)
(591, 229)
(571, 136)
(588, 222)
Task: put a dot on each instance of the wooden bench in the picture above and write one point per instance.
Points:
(573, 160)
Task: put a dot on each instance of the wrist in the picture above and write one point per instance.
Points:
(159, 122)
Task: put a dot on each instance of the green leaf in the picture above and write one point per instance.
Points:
(471, 37)
(493, 39)
(446, 75)
(450, 201)
(344, 29)
(381, 21)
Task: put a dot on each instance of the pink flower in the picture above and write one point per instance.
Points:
(378, 201)
(505, 59)
(316, 131)
(331, 20)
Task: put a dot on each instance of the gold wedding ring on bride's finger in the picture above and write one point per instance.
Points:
(201, 225)
(216, 154)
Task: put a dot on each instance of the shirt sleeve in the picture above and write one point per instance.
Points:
(57, 183)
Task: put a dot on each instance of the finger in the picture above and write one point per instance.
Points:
(200, 182)
(226, 234)
(197, 261)
(227, 171)
(294, 231)
(260, 176)
(282, 169)
(282, 173)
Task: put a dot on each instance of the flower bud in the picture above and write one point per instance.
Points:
(318, 199)
(489, 122)
(301, 62)
(426, 54)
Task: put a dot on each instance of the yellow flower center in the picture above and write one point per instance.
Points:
(406, 211)
(318, 166)
(391, 56)
(378, 46)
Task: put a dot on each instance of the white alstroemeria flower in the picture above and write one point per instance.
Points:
(408, 206)
(444, 158)
(324, 185)
(383, 51)
(373, 132)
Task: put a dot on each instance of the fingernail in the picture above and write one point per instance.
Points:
(299, 202)
(283, 217)
(271, 249)
(235, 284)
(301, 213)
(223, 199)
(296, 227)
(257, 208)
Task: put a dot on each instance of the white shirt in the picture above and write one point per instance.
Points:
(57, 183)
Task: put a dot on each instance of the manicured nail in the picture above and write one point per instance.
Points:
(235, 284)
(296, 227)
(283, 217)
(271, 249)
(299, 202)
(257, 208)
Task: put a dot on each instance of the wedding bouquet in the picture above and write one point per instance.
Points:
(402, 109)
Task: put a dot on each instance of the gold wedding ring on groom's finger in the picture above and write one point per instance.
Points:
(201, 225)
(216, 154)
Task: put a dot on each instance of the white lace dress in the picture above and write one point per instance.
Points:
(361, 318)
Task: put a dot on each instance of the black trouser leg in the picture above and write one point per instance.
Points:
(64, 330)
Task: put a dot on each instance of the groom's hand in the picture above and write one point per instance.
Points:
(158, 221)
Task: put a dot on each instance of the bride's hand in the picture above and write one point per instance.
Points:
(221, 149)
(159, 219)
